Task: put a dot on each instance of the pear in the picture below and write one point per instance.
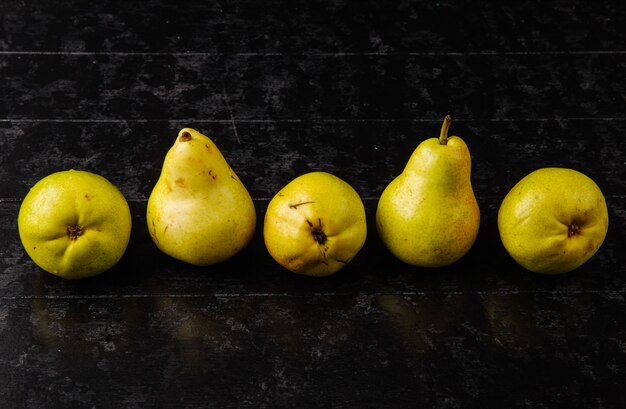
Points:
(74, 224)
(199, 211)
(553, 220)
(315, 225)
(428, 215)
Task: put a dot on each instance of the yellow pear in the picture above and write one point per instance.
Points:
(315, 225)
(74, 224)
(553, 220)
(199, 211)
(428, 215)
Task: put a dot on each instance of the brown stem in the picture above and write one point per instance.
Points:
(184, 136)
(443, 135)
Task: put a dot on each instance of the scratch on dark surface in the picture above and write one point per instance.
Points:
(231, 117)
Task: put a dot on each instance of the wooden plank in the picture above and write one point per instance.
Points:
(287, 87)
(327, 26)
(360, 350)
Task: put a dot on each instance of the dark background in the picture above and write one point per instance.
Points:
(284, 88)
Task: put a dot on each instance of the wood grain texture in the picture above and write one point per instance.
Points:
(341, 86)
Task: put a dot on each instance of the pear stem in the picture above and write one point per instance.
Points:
(443, 135)
(184, 137)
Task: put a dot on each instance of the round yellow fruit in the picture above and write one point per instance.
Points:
(74, 224)
(315, 225)
(553, 220)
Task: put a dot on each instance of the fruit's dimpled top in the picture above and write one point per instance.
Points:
(74, 224)
(553, 220)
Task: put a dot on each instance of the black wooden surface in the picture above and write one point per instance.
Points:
(284, 88)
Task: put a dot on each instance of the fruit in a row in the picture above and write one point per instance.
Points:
(76, 224)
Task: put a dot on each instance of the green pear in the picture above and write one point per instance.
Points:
(428, 215)
(199, 211)
(553, 220)
(74, 224)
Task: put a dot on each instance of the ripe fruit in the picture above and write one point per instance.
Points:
(315, 225)
(74, 224)
(553, 220)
